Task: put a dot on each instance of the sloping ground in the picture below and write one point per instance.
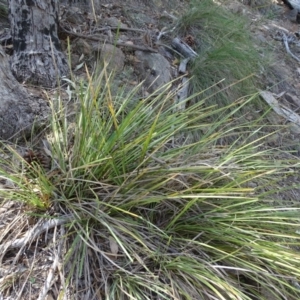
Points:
(25, 281)
(281, 78)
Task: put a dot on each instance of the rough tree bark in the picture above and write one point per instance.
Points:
(37, 56)
(18, 110)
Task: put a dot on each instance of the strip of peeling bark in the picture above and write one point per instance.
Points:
(18, 111)
(37, 56)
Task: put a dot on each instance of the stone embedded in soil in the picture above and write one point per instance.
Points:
(114, 22)
(154, 69)
(113, 56)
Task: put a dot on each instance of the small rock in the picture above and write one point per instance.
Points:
(114, 22)
(111, 55)
(73, 15)
(82, 47)
(123, 38)
(140, 19)
(154, 69)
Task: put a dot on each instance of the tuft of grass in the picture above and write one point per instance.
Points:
(3, 9)
(227, 54)
(153, 215)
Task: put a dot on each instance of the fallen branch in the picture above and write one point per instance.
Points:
(183, 91)
(182, 94)
(184, 49)
(285, 41)
(120, 44)
(280, 109)
(120, 28)
(287, 38)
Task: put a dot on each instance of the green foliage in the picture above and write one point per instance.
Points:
(226, 52)
(3, 9)
(154, 215)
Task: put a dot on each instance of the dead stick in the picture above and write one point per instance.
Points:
(92, 38)
(121, 29)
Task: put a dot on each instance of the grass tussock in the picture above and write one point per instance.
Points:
(150, 214)
(3, 9)
(227, 56)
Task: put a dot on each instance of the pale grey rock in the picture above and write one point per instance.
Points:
(114, 22)
(113, 56)
(154, 69)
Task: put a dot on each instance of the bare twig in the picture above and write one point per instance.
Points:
(183, 48)
(287, 38)
(165, 13)
(182, 94)
(121, 29)
(285, 41)
(121, 44)
(30, 235)
(57, 256)
(9, 274)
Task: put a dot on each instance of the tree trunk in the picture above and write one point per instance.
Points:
(18, 111)
(37, 57)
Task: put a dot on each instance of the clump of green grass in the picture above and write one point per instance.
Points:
(3, 9)
(152, 215)
(226, 51)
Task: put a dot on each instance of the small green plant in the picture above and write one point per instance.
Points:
(152, 215)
